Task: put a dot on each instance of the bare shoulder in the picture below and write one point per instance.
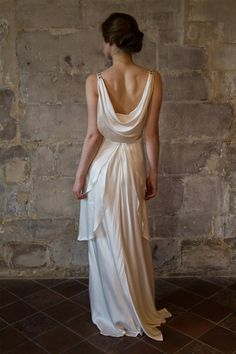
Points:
(91, 78)
(91, 83)
(157, 76)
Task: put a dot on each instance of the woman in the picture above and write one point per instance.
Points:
(114, 185)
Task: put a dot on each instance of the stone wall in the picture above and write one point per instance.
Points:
(47, 49)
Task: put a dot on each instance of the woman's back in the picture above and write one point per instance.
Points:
(125, 87)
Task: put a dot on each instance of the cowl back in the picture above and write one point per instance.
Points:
(121, 127)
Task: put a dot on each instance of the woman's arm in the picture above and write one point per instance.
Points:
(151, 136)
(93, 138)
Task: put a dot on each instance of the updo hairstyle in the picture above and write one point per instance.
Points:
(122, 29)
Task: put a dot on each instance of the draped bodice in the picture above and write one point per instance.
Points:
(124, 128)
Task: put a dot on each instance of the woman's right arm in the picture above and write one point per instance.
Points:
(93, 138)
(151, 136)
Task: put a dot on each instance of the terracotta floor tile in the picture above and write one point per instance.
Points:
(7, 298)
(55, 318)
(3, 324)
(58, 340)
(174, 309)
(202, 287)
(9, 339)
(64, 311)
(84, 348)
(50, 282)
(35, 325)
(221, 339)
(82, 299)
(164, 288)
(110, 344)
(232, 286)
(141, 348)
(196, 347)
(229, 322)
(190, 324)
(183, 298)
(28, 348)
(16, 311)
(211, 310)
(44, 299)
(22, 287)
(172, 340)
(226, 297)
(83, 325)
(83, 280)
(181, 282)
(69, 288)
(220, 281)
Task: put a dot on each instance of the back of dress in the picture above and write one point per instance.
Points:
(114, 221)
(125, 128)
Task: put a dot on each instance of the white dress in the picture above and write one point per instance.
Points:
(113, 219)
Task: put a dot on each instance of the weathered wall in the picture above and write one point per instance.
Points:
(47, 48)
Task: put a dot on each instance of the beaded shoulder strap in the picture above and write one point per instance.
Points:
(99, 75)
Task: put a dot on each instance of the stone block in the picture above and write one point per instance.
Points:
(3, 263)
(231, 243)
(16, 171)
(200, 121)
(38, 230)
(52, 88)
(18, 198)
(202, 194)
(53, 197)
(77, 57)
(178, 57)
(69, 254)
(180, 158)
(8, 126)
(229, 30)
(227, 225)
(37, 51)
(68, 157)
(48, 14)
(208, 10)
(170, 35)
(55, 123)
(4, 28)
(202, 33)
(185, 86)
(166, 254)
(169, 198)
(224, 85)
(181, 226)
(230, 157)
(26, 255)
(12, 152)
(2, 199)
(205, 255)
(223, 57)
(7, 98)
(232, 203)
(42, 160)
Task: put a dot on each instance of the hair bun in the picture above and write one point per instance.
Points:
(131, 41)
(122, 29)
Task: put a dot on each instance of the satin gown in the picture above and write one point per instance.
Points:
(114, 221)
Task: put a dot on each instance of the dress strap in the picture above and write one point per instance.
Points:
(99, 75)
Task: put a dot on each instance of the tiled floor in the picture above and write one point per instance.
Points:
(53, 316)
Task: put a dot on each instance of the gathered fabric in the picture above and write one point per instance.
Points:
(114, 221)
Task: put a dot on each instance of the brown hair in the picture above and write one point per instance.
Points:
(122, 29)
